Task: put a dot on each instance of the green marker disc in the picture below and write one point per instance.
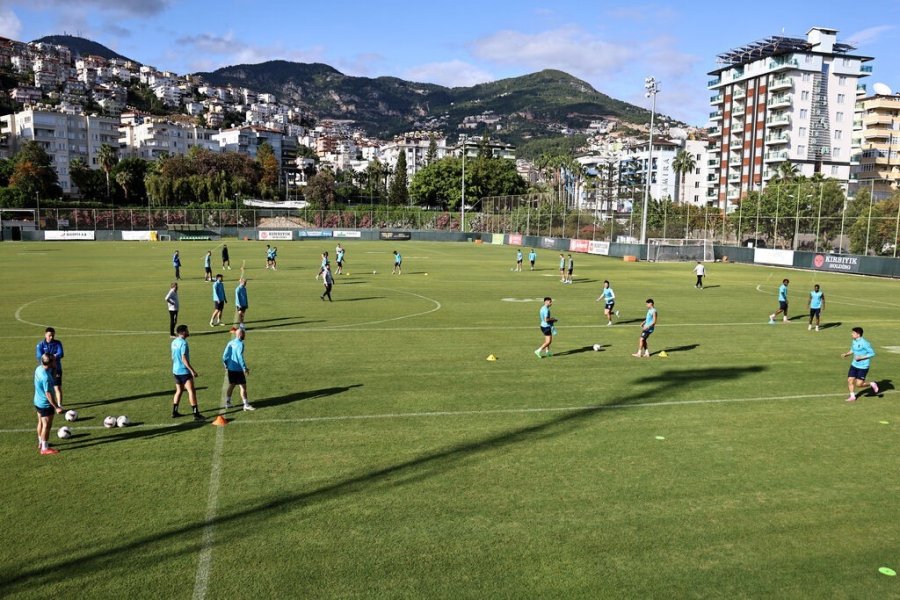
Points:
(884, 422)
(887, 571)
(659, 437)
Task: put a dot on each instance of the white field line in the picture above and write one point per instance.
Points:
(204, 564)
(497, 411)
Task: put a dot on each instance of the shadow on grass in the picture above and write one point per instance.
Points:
(830, 325)
(166, 392)
(253, 321)
(361, 299)
(300, 396)
(709, 287)
(576, 280)
(580, 350)
(627, 321)
(105, 557)
(687, 348)
(883, 386)
(276, 325)
(134, 432)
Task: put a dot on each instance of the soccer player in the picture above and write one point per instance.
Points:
(268, 256)
(518, 260)
(172, 305)
(569, 268)
(562, 268)
(324, 264)
(398, 261)
(328, 280)
(546, 328)
(532, 256)
(240, 300)
(782, 303)
(862, 353)
(176, 262)
(236, 368)
(647, 328)
(226, 260)
(816, 304)
(274, 258)
(218, 297)
(700, 272)
(184, 373)
(339, 257)
(609, 299)
(46, 408)
(207, 265)
(52, 346)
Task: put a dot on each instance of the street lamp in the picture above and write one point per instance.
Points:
(462, 205)
(652, 87)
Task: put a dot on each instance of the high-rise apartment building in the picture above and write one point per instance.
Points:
(875, 164)
(782, 99)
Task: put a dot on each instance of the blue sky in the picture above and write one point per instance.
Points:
(611, 45)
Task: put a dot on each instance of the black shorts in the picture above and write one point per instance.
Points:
(237, 378)
(547, 330)
(646, 333)
(45, 411)
(57, 380)
(815, 312)
(340, 263)
(518, 261)
(241, 308)
(183, 379)
(610, 305)
(858, 373)
(219, 305)
(570, 271)
(208, 270)
(782, 305)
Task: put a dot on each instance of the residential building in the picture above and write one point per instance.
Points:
(150, 137)
(695, 182)
(247, 140)
(876, 138)
(415, 145)
(63, 136)
(782, 99)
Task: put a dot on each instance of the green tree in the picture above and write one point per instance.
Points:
(431, 155)
(107, 157)
(399, 192)
(320, 189)
(33, 174)
(88, 181)
(875, 223)
(268, 166)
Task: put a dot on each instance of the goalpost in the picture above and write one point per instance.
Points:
(679, 249)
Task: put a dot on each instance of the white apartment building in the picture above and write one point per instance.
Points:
(149, 138)
(664, 180)
(63, 136)
(875, 164)
(696, 182)
(247, 140)
(782, 99)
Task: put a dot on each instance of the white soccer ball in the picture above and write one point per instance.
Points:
(598, 347)
(109, 422)
(123, 421)
(71, 415)
(63, 433)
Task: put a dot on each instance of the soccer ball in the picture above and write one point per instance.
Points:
(374, 272)
(598, 347)
(71, 415)
(123, 421)
(109, 422)
(63, 433)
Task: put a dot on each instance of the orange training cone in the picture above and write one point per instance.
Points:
(220, 421)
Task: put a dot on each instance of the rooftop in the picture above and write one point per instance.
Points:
(773, 46)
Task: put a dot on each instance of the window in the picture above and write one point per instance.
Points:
(838, 134)
(804, 95)
(801, 150)
(835, 152)
(841, 98)
(842, 80)
(696, 184)
(802, 132)
(806, 77)
(838, 117)
(834, 169)
(808, 58)
(804, 113)
(696, 198)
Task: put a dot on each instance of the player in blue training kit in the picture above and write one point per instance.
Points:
(647, 328)
(532, 256)
(207, 265)
(218, 298)
(816, 304)
(176, 262)
(237, 370)
(240, 300)
(52, 346)
(782, 303)
(339, 259)
(46, 408)
(518, 260)
(183, 372)
(562, 268)
(398, 264)
(609, 302)
(546, 328)
(862, 353)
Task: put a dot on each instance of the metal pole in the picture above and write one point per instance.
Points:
(869, 220)
(819, 218)
(897, 230)
(652, 90)
(462, 205)
(777, 205)
(37, 220)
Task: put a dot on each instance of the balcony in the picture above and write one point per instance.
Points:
(712, 178)
(736, 161)
(717, 99)
(775, 156)
(774, 140)
(737, 74)
(715, 147)
(734, 176)
(715, 116)
(734, 194)
(782, 101)
(781, 83)
(861, 88)
(867, 69)
(738, 110)
(715, 132)
(737, 141)
(778, 65)
(714, 82)
(779, 121)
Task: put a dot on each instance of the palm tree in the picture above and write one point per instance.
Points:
(787, 171)
(107, 157)
(683, 164)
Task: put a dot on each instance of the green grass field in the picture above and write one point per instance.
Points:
(389, 459)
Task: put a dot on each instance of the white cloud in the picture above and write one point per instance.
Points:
(10, 25)
(225, 50)
(869, 35)
(453, 73)
(134, 8)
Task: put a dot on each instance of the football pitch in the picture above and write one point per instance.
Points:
(387, 458)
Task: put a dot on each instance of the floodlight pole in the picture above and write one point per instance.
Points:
(462, 205)
(652, 87)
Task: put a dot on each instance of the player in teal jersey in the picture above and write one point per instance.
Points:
(782, 303)
(609, 302)
(240, 300)
(183, 372)
(562, 268)
(518, 260)
(816, 304)
(218, 298)
(236, 368)
(532, 256)
(862, 353)
(207, 265)
(647, 328)
(546, 328)
(398, 264)
(44, 404)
